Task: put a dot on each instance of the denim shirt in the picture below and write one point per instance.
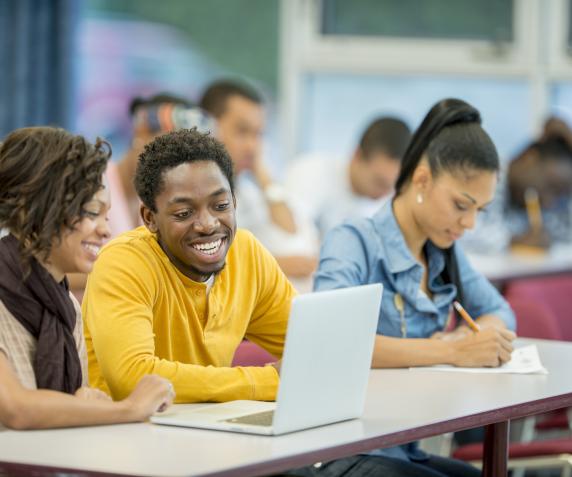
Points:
(373, 250)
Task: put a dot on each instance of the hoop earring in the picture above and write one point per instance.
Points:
(419, 198)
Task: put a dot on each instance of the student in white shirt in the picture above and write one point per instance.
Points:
(333, 190)
(263, 206)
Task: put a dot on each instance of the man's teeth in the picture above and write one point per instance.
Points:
(208, 248)
(92, 248)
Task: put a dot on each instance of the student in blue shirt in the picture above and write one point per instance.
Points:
(449, 174)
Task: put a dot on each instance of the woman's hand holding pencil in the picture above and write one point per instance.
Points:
(484, 347)
(489, 347)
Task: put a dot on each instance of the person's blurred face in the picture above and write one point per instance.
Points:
(450, 204)
(240, 129)
(558, 182)
(79, 247)
(550, 176)
(195, 218)
(143, 134)
(375, 175)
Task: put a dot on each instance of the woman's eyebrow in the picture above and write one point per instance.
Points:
(95, 202)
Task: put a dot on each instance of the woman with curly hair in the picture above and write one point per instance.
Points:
(53, 209)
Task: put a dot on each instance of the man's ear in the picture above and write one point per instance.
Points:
(148, 218)
(234, 200)
(357, 156)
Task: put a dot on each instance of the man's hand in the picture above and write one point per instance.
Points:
(260, 172)
(298, 266)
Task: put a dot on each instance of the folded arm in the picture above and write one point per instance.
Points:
(489, 348)
(22, 408)
(124, 344)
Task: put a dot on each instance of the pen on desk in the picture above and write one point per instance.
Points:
(474, 326)
(533, 209)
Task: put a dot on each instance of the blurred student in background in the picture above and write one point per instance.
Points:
(539, 181)
(533, 207)
(449, 173)
(150, 117)
(334, 190)
(263, 206)
(54, 204)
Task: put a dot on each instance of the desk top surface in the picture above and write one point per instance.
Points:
(505, 266)
(402, 405)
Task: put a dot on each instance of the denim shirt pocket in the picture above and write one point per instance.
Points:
(393, 315)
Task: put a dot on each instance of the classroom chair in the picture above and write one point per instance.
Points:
(556, 420)
(554, 292)
(536, 455)
(535, 319)
(250, 354)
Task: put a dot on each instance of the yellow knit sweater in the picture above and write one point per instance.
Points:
(142, 315)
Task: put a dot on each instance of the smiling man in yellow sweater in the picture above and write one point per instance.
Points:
(177, 296)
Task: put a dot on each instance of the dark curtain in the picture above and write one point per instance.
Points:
(37, 43)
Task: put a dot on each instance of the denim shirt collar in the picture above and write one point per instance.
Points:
(395, 250)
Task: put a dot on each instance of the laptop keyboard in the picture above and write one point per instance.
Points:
(257, 419)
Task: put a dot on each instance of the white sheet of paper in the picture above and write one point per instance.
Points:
(524, 360)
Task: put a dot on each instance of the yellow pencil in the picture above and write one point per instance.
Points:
(474, 326)
(533, 208)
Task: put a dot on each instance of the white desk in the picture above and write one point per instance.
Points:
(402, 406)
(500, 267)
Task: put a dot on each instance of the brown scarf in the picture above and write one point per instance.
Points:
(45, 309)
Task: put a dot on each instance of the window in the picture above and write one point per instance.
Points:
(489, 20)
(469, 45)
(338, 107)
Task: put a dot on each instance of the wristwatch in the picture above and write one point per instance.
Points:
(275, 193)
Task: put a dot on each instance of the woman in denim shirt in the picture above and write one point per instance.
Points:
(449, 174)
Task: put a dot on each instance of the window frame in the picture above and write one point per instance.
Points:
(538, 54)
(323, 52)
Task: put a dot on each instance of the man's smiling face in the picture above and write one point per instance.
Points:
(195, 218)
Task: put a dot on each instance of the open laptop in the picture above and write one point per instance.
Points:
(324, 372)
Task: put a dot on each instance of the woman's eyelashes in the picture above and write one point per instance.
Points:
(91, 214)
(461, 207)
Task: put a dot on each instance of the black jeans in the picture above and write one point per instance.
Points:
(379, 466)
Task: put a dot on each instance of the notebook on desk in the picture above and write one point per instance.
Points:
(324, 373)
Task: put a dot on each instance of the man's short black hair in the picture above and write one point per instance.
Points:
(156, 100)
(171, 150)
(215, 97)
(387, 135)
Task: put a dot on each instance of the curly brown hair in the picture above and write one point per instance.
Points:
(47, 175)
